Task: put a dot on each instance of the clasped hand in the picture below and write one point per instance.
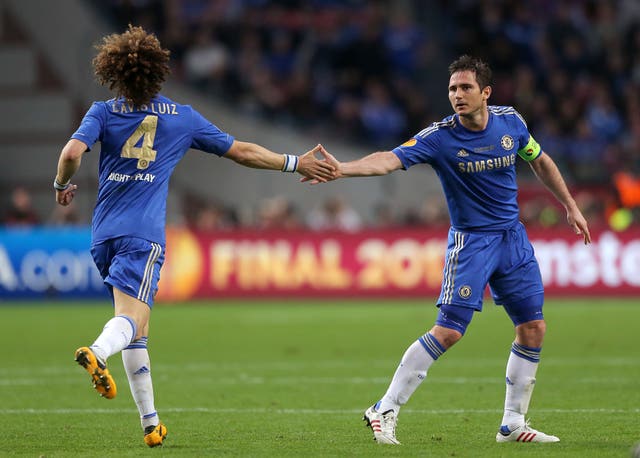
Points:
(318, 170)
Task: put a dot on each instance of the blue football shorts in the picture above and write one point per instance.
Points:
(131, 265)
(504, 260)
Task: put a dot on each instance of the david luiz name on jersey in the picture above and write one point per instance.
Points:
(122, 178)
(154, 107)
(487, 164)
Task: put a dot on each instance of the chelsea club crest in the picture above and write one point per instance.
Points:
(465, 291)
(507, 142)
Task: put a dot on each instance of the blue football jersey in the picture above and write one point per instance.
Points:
(477, 169)
(140, 147)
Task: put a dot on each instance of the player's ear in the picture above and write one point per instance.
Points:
(486, 92)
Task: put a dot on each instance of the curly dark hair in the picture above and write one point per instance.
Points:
(133, 64)
(473, 64)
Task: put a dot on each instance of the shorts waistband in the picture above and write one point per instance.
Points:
(490, 232)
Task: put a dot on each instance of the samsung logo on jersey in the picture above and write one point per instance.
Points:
(487, 164)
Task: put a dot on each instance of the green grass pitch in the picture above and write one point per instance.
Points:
(265, 378)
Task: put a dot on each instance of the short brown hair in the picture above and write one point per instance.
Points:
(133, 64)
(473, 64)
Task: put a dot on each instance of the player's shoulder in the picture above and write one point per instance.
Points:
(501, 109)
(160, 98)
(164, 99)
(99, 109)
(102, 104)
(437, 127)
(507, 113)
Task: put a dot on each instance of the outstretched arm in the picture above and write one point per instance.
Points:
(68, 165)
(259, 157)
(374, 164)
(547, 172)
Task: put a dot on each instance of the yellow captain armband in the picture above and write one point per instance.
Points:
(531, 150)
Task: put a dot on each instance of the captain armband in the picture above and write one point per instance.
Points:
(531, 150)
(290, 163)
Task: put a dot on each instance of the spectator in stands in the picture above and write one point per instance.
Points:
(212, 217)
(601, 114)
(278, 213)
(382, 120)
(334, 214)
(433, 211)
(20, 211)
(65, 215)
(206, 62)
(403, 42)
(383, 216)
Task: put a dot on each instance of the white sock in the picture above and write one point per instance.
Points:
(521, 378)
(116, 335)
(138, 368)
(411, 372)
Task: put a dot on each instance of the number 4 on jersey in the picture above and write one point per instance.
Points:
(144, 153)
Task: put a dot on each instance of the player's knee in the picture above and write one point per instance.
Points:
(531, 333)
(451, 338)
(447, 337)
(536, 327)
(451, 324)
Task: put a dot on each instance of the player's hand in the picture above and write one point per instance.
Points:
(65, 197)
(331, 160)
(317, 170)
(579, 224)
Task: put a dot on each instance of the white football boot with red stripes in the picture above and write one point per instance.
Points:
(383, 425)
(523, 433)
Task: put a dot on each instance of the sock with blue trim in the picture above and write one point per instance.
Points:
(521, 378)
(117, 333)
(138, 368)
(411, 372)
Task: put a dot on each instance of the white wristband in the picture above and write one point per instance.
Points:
(60, 186)
(290, 163)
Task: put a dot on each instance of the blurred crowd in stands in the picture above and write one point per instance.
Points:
(334, 213)
(375, 72)
(19, 211)
(350, 68)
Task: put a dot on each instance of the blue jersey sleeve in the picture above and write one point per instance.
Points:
(419, 149)
(528, 147)
(208, 138)
(91, 127)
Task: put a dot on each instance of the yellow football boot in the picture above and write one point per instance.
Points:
(102, 380)
(154, 435)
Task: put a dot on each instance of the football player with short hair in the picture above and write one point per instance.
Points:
(474, 153)
(143, 136)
